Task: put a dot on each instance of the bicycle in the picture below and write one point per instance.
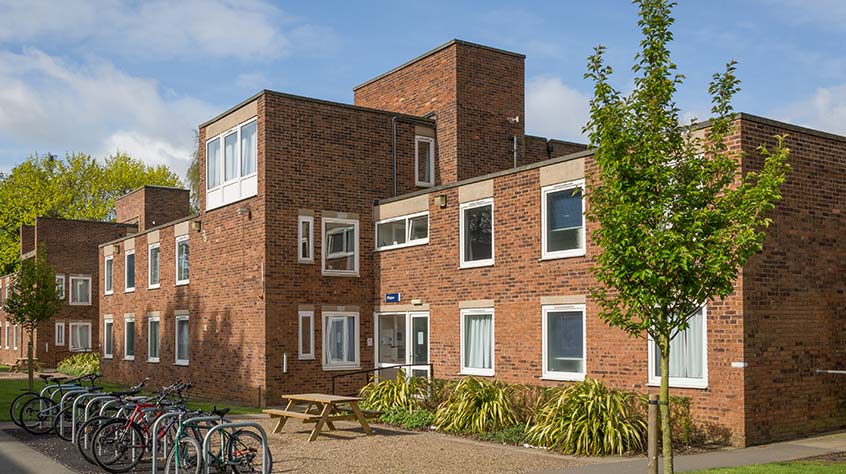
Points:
(59, 386)
(107, 411)
(37, 414)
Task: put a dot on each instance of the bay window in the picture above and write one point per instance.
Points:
(477, 342)
(231, 165)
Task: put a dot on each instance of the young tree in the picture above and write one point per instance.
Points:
(676, 220)
(32, 298)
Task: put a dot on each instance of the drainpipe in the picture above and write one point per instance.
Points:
(514, 138)
(394, 120)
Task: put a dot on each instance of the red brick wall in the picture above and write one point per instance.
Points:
(150, 206)
(794, 315)
(539, 149)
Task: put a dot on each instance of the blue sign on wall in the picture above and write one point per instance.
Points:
(392, 298)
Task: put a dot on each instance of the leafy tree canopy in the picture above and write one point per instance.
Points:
(76, 187)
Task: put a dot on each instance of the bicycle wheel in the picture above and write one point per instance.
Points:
(85, 436)
(244, 453)
(63, 423)
(37, 414)
(184, 457)
(118, 445)
(17, 404)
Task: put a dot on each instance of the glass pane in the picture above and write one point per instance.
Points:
(248, 149)
(154, 265)
(478, 341)
(154, 340)
(230, 168)
(390, 233)
(564, 220)
(109, 273)
(305, 335)
(108, 337)
(213, 163)
(305, 232)
(478, 233)
(79, 290)
(392, 338)
(424, 151)
(182, 248)
(351, 342)
(419, 227)
(340, 243)
(130, 338)
(420, 340)
(686, 351)
(182, 339)
(421, 373)
(130, 271)
(335, 333)
(565, 341)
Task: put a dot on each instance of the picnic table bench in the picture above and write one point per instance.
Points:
(320, 409)
(22, 363)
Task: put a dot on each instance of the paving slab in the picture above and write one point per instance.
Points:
(18, 458)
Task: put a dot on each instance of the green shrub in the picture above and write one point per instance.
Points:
(410, 420)
(80, 364)
(476, 406)
(512, 434)
(589, 418)
(400, 392)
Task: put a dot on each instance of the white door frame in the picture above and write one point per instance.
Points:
(409, 317)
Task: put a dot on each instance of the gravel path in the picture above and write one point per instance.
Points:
(349, 451)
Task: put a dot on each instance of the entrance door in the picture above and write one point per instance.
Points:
(402, 339)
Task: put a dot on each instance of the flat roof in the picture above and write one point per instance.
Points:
(147, 231)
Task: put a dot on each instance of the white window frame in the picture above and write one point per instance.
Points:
(408, 241)
(81, 277)
(417, 180)
(545, 191)
(465, 207)
(472, 370)
(61, 277)
(181, 316)
(127, 319)
(682, 382)
(8, 328)
(15, 336)
(108, 276)
(328, 315)
(325, 244)
(306, 314)
(108, 320)
(179, 239)
(87, 324)
(151, 318)
(150, 284)
(221, 165)
(555, 375)
(59, 330)
(310, 237)
(126, 287)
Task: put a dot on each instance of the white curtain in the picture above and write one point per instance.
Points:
(248, 149)
(182, 343)
(230, 164)
(686, 350)
(478, 341)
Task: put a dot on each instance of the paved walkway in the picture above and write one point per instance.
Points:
(776, 452)
(18, 458)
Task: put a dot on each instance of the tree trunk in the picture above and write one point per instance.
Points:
(29, 360)
(664, 405)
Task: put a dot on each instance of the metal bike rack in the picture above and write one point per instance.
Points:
(265, 469)
(107, 405)
(154, 432)
(62, 404)
(74, 405)
(199, 419)
(108, 398)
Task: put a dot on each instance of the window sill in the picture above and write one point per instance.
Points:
(424, 185)
(692, 384)
(402, 246)
(181, 283)
(154, 287)
(341, 274)
(108, 293)
(130, 290)
(80, 304)
(129, 358)
(479, 264)
(153, 361)
(107, 357)
(181, 363)
(564, 377)
(302, 357)
(334, 368)
(477, 373)
(306, 262)
(553, 256)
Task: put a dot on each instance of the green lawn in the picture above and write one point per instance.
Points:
(11, 388)
(795, 467)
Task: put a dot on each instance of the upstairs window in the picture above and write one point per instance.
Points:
(154, 266)
(108, 275)
(563, 220)
(80, 286)
(402, 231)
(305, 237)
(477, 234)
(129, 269)
(182, 260)
(231, 165)
(424, 161)
(340, 247)
(60, 287)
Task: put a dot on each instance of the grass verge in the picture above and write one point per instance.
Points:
(793, 467)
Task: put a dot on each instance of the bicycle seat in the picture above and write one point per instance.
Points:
(221, 412)
(45, 377)
(124, 393)
(58, 379)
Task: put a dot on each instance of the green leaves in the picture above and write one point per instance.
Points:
(401, 392)
(32, 297)
(477, 406)
(76, 187)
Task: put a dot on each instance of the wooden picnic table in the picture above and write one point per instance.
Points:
(320, 409)
(23, 363)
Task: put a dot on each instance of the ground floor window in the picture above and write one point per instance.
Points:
(153, 322)
(60, 333)
(306, 334)
(80, 336)
(8, 329)
(688, 355)
(564, 342)
(108, 338)
(477, 341)
(182, 338)
(129, 337)
(340, 340)
(16, 337)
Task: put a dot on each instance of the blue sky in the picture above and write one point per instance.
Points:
(137, 76)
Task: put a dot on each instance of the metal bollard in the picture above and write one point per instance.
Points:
(265, 469)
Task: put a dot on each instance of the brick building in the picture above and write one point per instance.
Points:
(421, 226)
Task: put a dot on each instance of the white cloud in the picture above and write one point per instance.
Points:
(160, 29)
(555, 110)
(94, 107)
(824, 110)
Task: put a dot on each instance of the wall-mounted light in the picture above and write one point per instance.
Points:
(116, 248)
(244, 211)
(196, 225)
(441, 200)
